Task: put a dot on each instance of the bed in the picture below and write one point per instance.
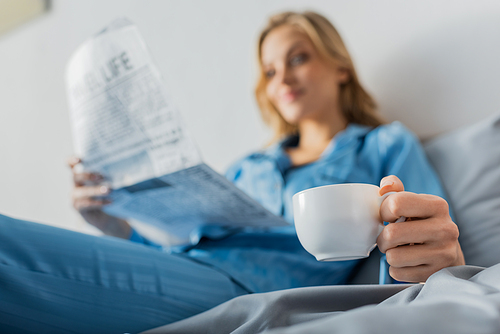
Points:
(464, 299)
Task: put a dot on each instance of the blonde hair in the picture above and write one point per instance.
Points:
(357, 106)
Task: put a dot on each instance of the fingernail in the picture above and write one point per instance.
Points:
(104, 189)
(385, 183)
(385, 186)
(73, 161)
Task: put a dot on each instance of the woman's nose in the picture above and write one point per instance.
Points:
(287, 76)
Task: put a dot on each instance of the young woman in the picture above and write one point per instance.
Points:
(326, 132)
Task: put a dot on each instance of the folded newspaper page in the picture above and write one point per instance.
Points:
(126, 128)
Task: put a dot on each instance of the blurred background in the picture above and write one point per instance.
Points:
(432, 64)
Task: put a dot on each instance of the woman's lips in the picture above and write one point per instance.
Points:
(291, 96)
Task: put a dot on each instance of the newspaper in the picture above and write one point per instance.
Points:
(126, 128)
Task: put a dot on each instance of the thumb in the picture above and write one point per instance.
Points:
(390, 183)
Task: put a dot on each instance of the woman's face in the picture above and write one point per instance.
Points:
(300, 84)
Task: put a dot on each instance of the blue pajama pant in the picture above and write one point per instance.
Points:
(58, 281)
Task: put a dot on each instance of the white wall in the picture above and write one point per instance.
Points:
(431, 63)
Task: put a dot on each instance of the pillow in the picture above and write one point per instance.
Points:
(468, 162)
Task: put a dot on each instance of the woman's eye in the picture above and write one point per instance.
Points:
(298, 59)
(270, 73)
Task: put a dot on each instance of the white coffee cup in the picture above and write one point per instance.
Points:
(339, 222)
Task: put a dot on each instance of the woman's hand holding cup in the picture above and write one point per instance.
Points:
(426, 242)
(89, 196)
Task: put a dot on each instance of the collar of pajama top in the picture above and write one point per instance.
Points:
(269, 177)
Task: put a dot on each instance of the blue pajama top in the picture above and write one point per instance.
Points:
(266, 259)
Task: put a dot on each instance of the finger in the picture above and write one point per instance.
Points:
(409, 232)
(73, 161)
(390, 183)
(412, 274)
(86, 204)
(413, 205)
(428, 231)
(85, 178)
(416, 255)
(408, 256)
(90, 192)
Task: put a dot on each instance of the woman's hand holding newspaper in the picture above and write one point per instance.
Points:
(90, 195)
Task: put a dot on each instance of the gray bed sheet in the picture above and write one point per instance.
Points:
(464, 299)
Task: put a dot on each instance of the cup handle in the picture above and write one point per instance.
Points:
(383, 197)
